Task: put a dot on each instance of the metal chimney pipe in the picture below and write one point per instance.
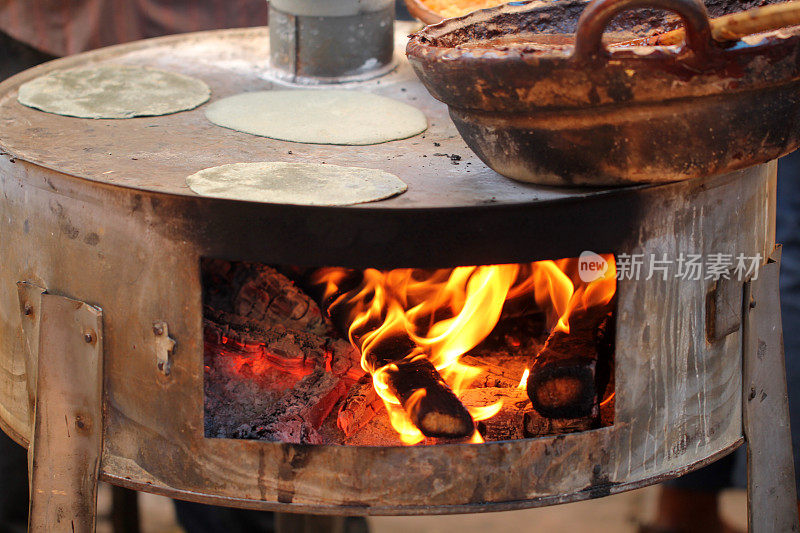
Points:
(331, 41)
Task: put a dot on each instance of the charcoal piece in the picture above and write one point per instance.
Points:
(256, 295)
(509, 423)
(297, 415)
(359, 406)
(536, 425)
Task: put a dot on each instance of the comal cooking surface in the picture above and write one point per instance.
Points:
(158, 153)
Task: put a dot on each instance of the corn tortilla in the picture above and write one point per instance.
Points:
(295, 183)
(113, 92)
(319, 116)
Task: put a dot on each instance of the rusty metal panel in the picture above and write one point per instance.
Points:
(64, 454)
(771, 493)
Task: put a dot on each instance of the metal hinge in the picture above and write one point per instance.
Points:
(164, 347)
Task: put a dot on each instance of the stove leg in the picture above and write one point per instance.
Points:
(308, 523)
(64, 453)
(125, 510)
(771, 494)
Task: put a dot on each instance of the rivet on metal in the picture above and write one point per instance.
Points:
(88, 337)
(28, 310)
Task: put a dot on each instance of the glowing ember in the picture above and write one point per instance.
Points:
(257, 360)
(608, 400)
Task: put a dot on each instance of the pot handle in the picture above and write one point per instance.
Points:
(596, 16)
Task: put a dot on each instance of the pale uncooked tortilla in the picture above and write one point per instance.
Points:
(319, 116)
(113, 91)
(295, 183)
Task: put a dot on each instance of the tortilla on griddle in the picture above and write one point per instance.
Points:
(113, 91)
(295, 183)
(319, 116)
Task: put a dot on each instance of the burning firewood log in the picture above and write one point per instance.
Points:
(563, 380)
(412, 379)
(428, 400)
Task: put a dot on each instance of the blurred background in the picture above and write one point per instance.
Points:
(621, 513)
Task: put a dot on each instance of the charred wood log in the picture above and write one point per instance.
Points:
(255, 295)
(328, 365)
(563, 377)
(287, 350)
(504, 376)
(563, 387)
(517, 420)
(428, 400)
(297, 416)
(360, 405)
(509, 423)
(536, 425)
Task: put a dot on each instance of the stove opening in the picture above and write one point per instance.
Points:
(408, 356)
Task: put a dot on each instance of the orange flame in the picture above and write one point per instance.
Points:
(523, 383)
(608, 400)
(485, 412)
(476, 438)
(447, 312)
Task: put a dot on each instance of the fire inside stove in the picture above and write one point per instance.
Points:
(408, 356)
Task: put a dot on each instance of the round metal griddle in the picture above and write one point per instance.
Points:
(157, 153)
